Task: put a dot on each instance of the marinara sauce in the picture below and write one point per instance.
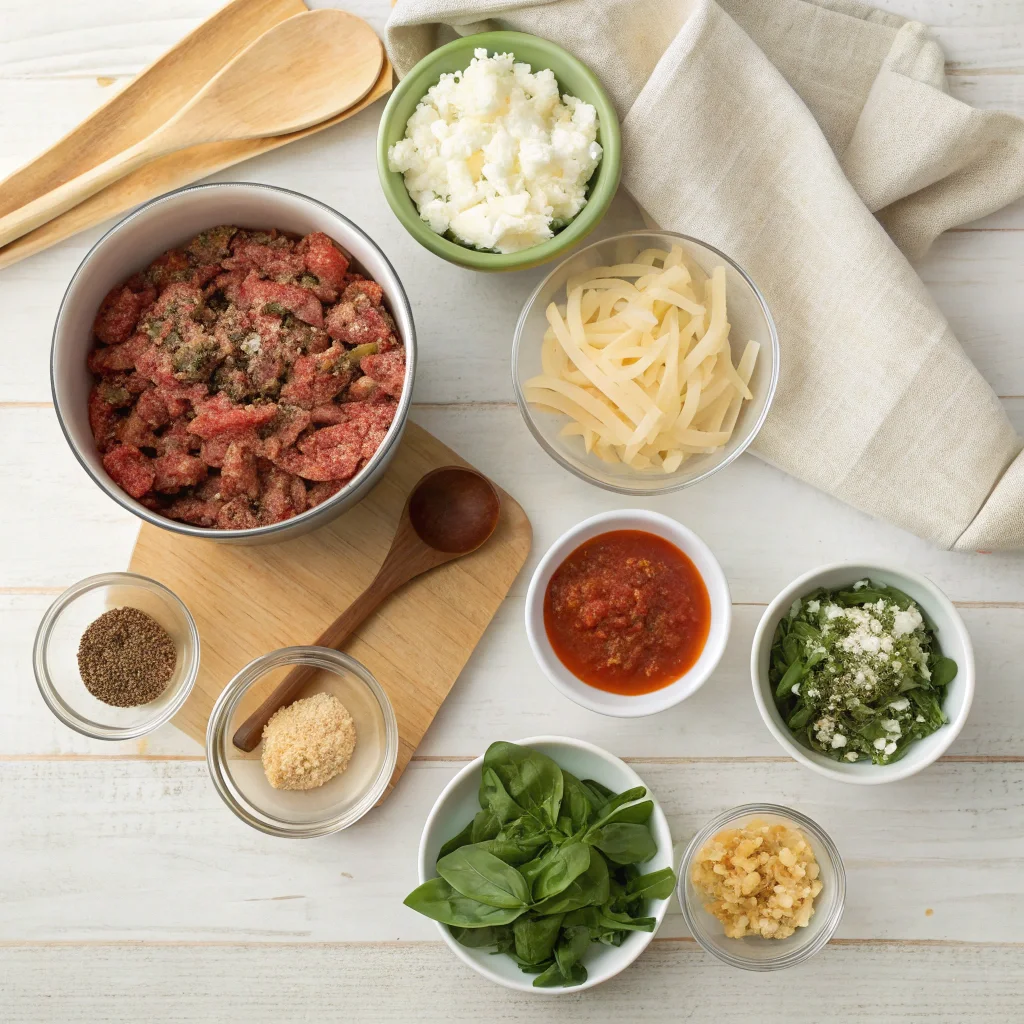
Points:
(627, 612)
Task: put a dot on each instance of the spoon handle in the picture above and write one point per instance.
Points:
(250, 732)
(61, 199)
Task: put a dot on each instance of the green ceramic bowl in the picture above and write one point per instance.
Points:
(574, 78)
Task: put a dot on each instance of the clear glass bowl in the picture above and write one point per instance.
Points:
(55, 655)
(239, 776)
(754, 953)
(750, 320)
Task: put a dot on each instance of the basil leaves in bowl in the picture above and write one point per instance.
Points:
(551, 852)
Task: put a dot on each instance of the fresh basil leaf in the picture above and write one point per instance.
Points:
(464, 838)
(437, 900)
(577, 804)
(657, 885)
(572, 946)
(943, 670)
(560, 866)
(481, 876)
(553, 976)
(495, 798)
(532, 779)
(481, 938)
(536, 937)
(515, 851)
(591, 889)
(623, 842)
(485, 826)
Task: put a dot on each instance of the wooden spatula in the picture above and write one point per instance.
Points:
(301, 72)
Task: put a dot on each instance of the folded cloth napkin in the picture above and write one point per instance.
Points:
(814, 141)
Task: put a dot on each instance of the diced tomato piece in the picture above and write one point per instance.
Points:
(387, 369)
(320, 492)
(291, 298)
(169, 267)
(330, 413)
(130, 469)
(152, 408)
(119, 313)
(237, 514)
(358, 285)
(279, 261)
(195, 511)
(325, 261)
(102, 419)
(219, 415)
(176, 470)
(134, 430)
(238, 472)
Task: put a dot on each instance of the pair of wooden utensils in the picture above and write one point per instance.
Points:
(303, 71)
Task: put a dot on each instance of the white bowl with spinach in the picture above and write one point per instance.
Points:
(863, 673)
(547, 865)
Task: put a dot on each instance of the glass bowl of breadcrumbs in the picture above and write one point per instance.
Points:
(324, 760)
(762, 887)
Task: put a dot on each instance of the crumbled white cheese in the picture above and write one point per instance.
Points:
(891, 725)
(251, 345)
(879, 744)
(900, 705)
(813, 606)
(890, 748)
(851, 755)
(796, 689)
(907, 621)
(839, 740)
(920, 718)
(495, 156)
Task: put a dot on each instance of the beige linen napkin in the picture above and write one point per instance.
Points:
(815, 143)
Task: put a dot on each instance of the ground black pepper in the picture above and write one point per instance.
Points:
(126, 658)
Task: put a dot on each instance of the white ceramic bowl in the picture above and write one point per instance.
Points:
(458, 803)
(953, 640)
(616, 704)
(161, 224)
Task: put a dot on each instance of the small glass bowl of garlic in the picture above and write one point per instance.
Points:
(762, 887)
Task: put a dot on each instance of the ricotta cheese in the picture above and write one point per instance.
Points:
(496, 157)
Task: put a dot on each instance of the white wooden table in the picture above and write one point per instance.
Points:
(129, 893)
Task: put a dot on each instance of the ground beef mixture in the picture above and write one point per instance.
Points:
(243, 378)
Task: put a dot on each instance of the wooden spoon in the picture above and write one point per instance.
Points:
(302, 71)
(450, 512)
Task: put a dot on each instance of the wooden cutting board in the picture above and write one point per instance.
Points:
(253, 599)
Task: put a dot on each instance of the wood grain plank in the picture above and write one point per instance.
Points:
(140, 850)
(502, 692)
(672, 981)
(55, 506)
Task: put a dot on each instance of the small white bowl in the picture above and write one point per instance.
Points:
(953, 640)
(630, 705)
(458, 803)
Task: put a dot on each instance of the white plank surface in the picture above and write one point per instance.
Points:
(127, 892)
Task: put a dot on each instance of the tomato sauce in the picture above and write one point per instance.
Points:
(627, 612)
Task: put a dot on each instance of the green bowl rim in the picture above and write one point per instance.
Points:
(605, 179)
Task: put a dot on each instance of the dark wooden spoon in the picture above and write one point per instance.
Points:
(450, 512)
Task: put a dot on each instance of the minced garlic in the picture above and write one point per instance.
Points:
(760, 879)
(308, 742)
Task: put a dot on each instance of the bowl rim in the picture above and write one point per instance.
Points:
(47, 689)
(316, 513)
(605, 185)
(425, 872)
(629, 490)
(882, 774)
(836, 907)
(719, 595)
(327, 659)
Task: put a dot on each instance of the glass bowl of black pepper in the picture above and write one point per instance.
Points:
(116, 656)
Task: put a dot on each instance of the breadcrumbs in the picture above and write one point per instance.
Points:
(761, 879)
(308, 742)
